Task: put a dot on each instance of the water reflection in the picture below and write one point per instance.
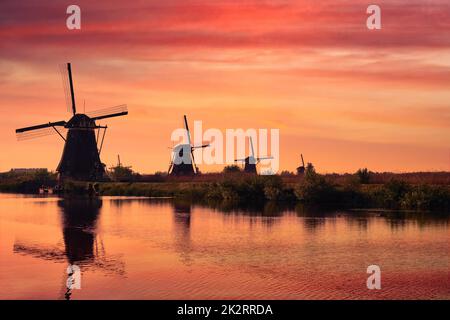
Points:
(179, 249)
(182, 230)
(79, 224)
(82, 246)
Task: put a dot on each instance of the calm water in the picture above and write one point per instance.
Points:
(152, 249)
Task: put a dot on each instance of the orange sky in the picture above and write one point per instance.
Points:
(342, 95)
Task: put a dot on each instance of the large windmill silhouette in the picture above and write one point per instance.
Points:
(81, 155)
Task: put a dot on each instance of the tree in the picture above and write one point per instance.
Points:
(363, 175)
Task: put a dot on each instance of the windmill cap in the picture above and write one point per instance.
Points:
(80, 120)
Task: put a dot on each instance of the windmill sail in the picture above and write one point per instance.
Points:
(194, 167)
(117, 111)
(201, 146)
(41, 126)
(187, 130)
(251, 146)
(72, 94)
(65, 85)
(38, 133)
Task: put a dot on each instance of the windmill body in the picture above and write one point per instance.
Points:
(182, 161)
(182, 164)
(80, 159)
(301, 169)
(251, 161)
(250, 165)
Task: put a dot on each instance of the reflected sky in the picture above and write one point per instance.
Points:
(162, 249)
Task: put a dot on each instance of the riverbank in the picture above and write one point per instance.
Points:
(319, 192)
(343, 191)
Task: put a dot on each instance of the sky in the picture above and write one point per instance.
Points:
(344, 96)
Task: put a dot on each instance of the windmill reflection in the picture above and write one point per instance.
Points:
(182, 230)
(79, 224)
(82, 247)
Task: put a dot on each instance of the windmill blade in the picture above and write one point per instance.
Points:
(72, 95)
(251, 145)
(65, 84)
(38, 131)
(187, 129)
(28, 135)
(193, 160)
(117, 111)
(264, 158)
(41, 126)
(201, 146)
(189, 142)
(38, 134)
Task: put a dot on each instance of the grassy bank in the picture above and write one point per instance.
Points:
(359, 190)
(313, 189)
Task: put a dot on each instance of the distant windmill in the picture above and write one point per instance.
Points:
(301, 169)
(81, 155)
(250, 162)
(119, 163)
(182, 162)
(120, 172)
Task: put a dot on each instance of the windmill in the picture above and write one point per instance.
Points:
(250, 162)
(182, 161)
(84, 140)
(120, 172)
(119, 164)
(301, 169)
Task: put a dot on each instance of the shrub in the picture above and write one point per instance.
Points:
(426, 197)
(315, 189)
(231, 169)
(395, 190)
(273, 188)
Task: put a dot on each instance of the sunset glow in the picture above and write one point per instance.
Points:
(344, 96)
